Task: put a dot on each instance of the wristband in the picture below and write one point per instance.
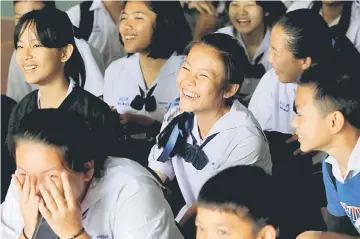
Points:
(80, 233)
(23, 232)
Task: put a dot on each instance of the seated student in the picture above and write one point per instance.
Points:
(341, 16)
(251, 23)
(141, 85)
(97, 24)
(298, 40)
(53, 62)
(209, 130)
(242, 210)
(63, 176)
(328, 111)
(18, 88)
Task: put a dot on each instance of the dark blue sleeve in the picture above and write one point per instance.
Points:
(332, 197)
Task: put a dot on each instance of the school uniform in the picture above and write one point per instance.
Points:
(105, 35)
(125, 88)
(17, 87)
(343, 197)
(272, 104)
(127, 202)
(353, 32)
(96, 112)
(236, 139)
(259, 63)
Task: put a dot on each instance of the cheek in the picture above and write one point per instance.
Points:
(257, 16)
(182, 75)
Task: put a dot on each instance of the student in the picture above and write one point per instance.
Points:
(216, 130)
(53, 62)
(17, 87)
(327, 104)
(251, 23)
(341, 16)
(298, 40)
(66, 178)
(245, 209)
(97, 23)
(141, 85)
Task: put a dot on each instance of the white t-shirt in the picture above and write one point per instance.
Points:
(249, 84)
(127, 202)
(353, 33)
(124, 77)
(239, 141)
(17, 87)
(272, 104)
(105, 33)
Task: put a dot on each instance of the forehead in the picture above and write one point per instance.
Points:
(24, 7)
(278, 38)
(304, 95)
(136, 6)
(205, 56)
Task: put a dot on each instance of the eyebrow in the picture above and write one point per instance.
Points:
(45, 171)
(272, 47)
(203, 69)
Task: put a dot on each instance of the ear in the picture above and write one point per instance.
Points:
(66, 53)
(90, 172)
(306, 63)
(231, 91)
(267, 232)
(336, 121)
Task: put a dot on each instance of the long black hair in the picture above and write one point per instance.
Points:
(54, 30)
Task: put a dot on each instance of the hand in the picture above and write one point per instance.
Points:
(203, 7)
(293, 139)
(28, 204)
(143, 120)
(126, 118)
(61, 212)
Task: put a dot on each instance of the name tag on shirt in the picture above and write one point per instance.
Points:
(123, 101)
(284, 106)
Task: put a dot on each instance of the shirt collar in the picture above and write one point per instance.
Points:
(97, 4)
(334, 22)
(70, 88)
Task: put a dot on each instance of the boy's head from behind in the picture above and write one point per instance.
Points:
(237, 203)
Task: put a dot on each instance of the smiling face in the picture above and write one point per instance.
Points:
(137, 27)
(246, 16)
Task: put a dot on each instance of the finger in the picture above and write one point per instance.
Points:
(26, 187)
(69, 196)
(17, 184)
(298, 151)
(198, 8)
(32, 189)
(45, 212)
(48, 199)
(292, 139)
(208, 8)
(56, 194)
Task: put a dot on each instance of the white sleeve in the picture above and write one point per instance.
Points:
(94, 75)
(17, 87)
(262, 102)
(145, 214)
(74, 15)
(11, 218)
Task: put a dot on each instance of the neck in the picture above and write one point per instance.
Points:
(206, 120)
(331, 11)
(53, 93)
(255, 37)
(342, 147)
(114, 8)
(150, 68)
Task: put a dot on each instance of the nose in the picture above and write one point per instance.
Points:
(270, 57)
(27, 54)
(294, 122)
(242, 10)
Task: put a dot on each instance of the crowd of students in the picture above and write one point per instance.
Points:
(183, 119)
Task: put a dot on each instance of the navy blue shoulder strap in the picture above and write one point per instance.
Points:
(331, 175)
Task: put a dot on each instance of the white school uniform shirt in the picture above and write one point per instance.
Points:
(124, 76)
(248, 86)
(105, 33)
(126, 203)
(353, 33)
(17, 87)
(240, 141)
(272, 103)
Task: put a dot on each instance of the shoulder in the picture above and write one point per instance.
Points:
(120, 64)
(227, 30)
(89, 101)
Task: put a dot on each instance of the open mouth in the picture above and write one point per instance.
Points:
(190, 95)
(243, 21)
(30, 67)
(130, 37)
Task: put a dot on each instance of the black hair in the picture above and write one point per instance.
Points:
(171, 30)
(345, 18)
(54, 30)
(275, 9)
(66, 131)
(307, 35)
(336, 89)
(242, 187)
(49, 4)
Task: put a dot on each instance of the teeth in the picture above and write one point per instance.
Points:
(243, 21)
(29, 67)
(130, 37)
(191, 94)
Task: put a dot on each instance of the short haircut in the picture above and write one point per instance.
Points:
(336, 89)
(66, 131)
(49, 4)
(241, 188)
(171, 30)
